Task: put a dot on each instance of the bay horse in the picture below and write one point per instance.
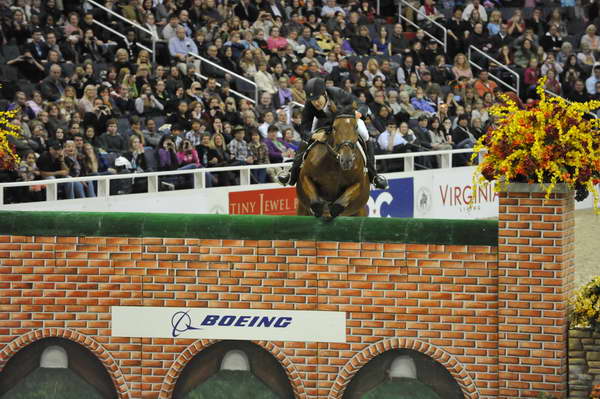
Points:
(333, 180)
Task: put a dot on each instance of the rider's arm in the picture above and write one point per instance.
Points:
(306, 125)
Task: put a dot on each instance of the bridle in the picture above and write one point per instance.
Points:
(346, 143)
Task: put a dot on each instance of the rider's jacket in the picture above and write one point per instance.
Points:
(313, 119)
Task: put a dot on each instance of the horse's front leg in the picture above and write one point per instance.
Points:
(317, 204)
(339, 205)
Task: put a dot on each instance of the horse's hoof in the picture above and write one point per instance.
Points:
(317, 208)
(336, 210)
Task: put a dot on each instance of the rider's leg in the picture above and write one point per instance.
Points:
(290, 177)
(377, 180)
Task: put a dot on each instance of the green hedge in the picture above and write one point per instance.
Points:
(243, 227)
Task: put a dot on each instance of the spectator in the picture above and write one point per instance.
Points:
(474, 6)
(483, 84)
(179, 47)
(152, 135)
(52, 165)
(391, 140)
(552, 41)
(398, 42)
(187, 154)
(86, 103)
(462, 137)
(590, 83)
(361, 43)
(29, 171)
(112, 141)
(238, 148)
(147, 104)
(223, 158)
(590, 38)
(28, 66)
(420, 103)
(81, 189)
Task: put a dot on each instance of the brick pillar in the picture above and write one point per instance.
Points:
(535, 280)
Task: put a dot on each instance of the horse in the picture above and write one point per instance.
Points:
(333, 180)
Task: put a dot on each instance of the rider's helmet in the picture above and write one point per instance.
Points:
(315, 88)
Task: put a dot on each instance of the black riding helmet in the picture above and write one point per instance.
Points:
(314, 89)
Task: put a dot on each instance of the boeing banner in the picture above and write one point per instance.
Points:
(247, 324)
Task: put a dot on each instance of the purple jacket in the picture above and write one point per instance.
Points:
(275, 155)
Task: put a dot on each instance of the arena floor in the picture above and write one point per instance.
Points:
(587, 237)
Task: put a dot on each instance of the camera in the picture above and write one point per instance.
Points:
(27, 57)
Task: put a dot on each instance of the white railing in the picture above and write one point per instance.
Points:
(235, 92)
(443, 43)
(199, 175)
(553, 94)
(122, 36)
(496, 78)
(227, 71)
(137, 26)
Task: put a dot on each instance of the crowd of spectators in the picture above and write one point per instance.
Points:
(92, 101)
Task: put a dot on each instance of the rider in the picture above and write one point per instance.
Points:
(318, 114)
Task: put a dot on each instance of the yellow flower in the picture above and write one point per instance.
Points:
(585, 305)
(552, 142)
(8, 156)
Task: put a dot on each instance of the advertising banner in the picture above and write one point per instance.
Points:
(277, 201)
(396, 201)
(446, 194)
(246, 324)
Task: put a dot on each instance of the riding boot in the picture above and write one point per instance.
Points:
(290, 177)
(378, 181)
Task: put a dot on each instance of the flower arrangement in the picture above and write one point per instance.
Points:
(551, 142)
(586, 305)
(8, 156)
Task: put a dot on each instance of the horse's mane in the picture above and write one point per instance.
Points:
(346, 106)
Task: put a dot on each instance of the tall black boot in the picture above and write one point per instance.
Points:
(378, 181)
(291, 177)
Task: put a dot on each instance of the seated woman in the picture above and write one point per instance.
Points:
(147, 105)
(136, 155)
(223, 158)
(260, 153)
(28, 171)
(81, 189)
(288, 140)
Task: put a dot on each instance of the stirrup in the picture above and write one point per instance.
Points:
(380, 182)
(284, 177)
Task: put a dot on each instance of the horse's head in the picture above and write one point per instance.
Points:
(345, 138)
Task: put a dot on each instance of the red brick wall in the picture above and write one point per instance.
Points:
(497, 326)
(536, 270)
(440, 300)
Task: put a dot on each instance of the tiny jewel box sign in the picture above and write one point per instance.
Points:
(247, 324)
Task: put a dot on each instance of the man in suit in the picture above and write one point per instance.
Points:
(38, 47)
(245, 10)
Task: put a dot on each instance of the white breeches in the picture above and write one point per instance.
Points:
(362, 129)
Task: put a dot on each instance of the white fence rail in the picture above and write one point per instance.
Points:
(494, 61)
(227, 71)
(137, 26)
(443, 43)
(199, 175)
